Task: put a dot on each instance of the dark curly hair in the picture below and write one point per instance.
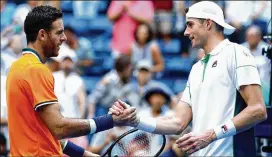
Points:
(150, 33)
(40, 17)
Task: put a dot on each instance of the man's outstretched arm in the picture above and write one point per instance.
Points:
(162, 125)
(62, 127)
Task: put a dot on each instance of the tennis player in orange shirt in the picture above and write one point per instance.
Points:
(35, 122)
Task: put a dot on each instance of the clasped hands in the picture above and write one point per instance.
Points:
(123, 114)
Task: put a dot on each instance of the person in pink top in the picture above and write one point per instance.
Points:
(126, 15)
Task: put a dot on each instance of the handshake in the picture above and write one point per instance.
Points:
(123, 114)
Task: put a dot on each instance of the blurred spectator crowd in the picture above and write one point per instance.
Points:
(129, 50)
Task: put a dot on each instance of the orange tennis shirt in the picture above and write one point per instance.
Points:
(30, 85)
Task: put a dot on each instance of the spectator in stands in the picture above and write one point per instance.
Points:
(82, 48)
(71, 94)
(163, 21)
(111, 87)
(87, 9)
(55, 4)
(53, 65)
(70, 90)
(22, 11)
(157, 101)
(144, 48)
(126, 15)
(143, 73)
(54, 62)
(12, 52)
(7, 10)
(255, 44)
(252, 12)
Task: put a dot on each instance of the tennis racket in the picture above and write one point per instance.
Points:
(136, 143)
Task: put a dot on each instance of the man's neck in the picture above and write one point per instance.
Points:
(253, 47)
(38, 49)
(212, 42)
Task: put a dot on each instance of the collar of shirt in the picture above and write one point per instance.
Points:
(219, 47)
(31, 51)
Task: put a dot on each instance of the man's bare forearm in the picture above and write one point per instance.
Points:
(169, 125)
(248, 118)
(255, 112)
(74, 128)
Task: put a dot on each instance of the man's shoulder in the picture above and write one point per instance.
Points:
(234, 50)
(39, 67)
(110, 77)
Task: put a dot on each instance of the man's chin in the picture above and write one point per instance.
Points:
(55, 54)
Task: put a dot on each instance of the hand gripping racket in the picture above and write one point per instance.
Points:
(136, 143)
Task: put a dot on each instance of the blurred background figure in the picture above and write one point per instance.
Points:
(255, 44)
(254, 12)
(143, 73)
(7, 11)
(12, 52)
(126, 15)
(70, 90)
(157, 102)
(23, 9)
(82, 48)
(111, 87)
(87, 9)
(71, 94)
(144, 48)
(163, 18)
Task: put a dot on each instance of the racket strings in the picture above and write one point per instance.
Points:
(138, 143)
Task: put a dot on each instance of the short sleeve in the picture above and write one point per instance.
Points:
(186, 96)
(41, 84)
(243, 68)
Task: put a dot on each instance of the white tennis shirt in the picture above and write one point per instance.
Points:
(212, 92)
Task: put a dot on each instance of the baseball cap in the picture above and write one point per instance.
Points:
(210, 10)
(65, 52)
(144, 64)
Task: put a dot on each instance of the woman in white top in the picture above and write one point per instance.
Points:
(145, 49)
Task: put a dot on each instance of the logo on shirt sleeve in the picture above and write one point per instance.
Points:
(214, 64)
(224, 129)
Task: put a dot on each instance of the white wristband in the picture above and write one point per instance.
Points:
(226, 130)
(92, 126)
(66, 141)
(147, 124)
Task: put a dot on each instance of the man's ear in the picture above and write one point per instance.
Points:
(208, 24)
(42, 35)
